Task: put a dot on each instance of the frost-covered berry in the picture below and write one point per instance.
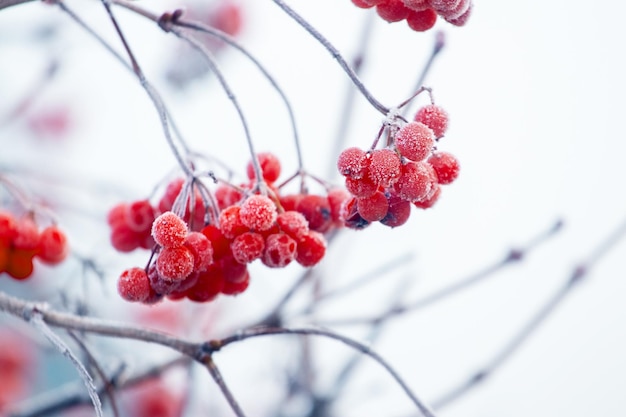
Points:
(414, 141)
(174, 263)
(430, 199)
(384, 168)
(446, 167)
(169, 230)
(293, 223)
(416, 181)
(133, 285)
(417, 5)
(258, 212)
(280, 250)
(435, 117)
(373, 208)
(201, 248)
(352, 162)
(230, 222)
(247, 247)
(362, 187)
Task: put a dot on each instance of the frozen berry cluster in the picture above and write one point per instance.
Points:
(420, 15)
(21, 241)
(199, 263)
(385, 182)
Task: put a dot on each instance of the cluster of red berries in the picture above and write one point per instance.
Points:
(420, 15)
(384, 183)
(200, 264)
(131, 223)
(21, 241)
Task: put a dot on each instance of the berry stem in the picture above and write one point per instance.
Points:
(335, 53)
(152, 93)
(210, 61)
(348, 100)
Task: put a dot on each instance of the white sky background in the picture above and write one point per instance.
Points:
(535, 91)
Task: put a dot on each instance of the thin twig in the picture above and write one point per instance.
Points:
(216, 345)
(37, 320)
(335, 53)
(577, 276)
(513, 256)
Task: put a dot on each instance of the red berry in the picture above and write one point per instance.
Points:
(444, 5)
(227, 18)
(398, 213)
(270, 167)
(139, 216)
(232, 270)
(26, 234)
(384, 168)
(351, 217)
(430, 200)
(280, 250)
(123, 239)
(227, 196)
(117, 215)
(316, 210)
(336, 197)
(446, 167)
(53, 247)
(392, 10)
(363, 187)
(462, 19)
(373, 208)
(461, 8)
(421, 21)
(258, 212)
(363, 4)
(201, 249)
(247, 247)
(311, 249)
(169, 230)
(20, 264)
(7, 227)
(417, 5)
(434, 117)
(133, 285)
(5, 252)
(414, 141)
(208, 286)
(230, 222)
(235, 288)
(416, 181)
(174, 263)
(290, 201)
(352, 163)
(293, 223)
(160, 285)
(220, 243)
